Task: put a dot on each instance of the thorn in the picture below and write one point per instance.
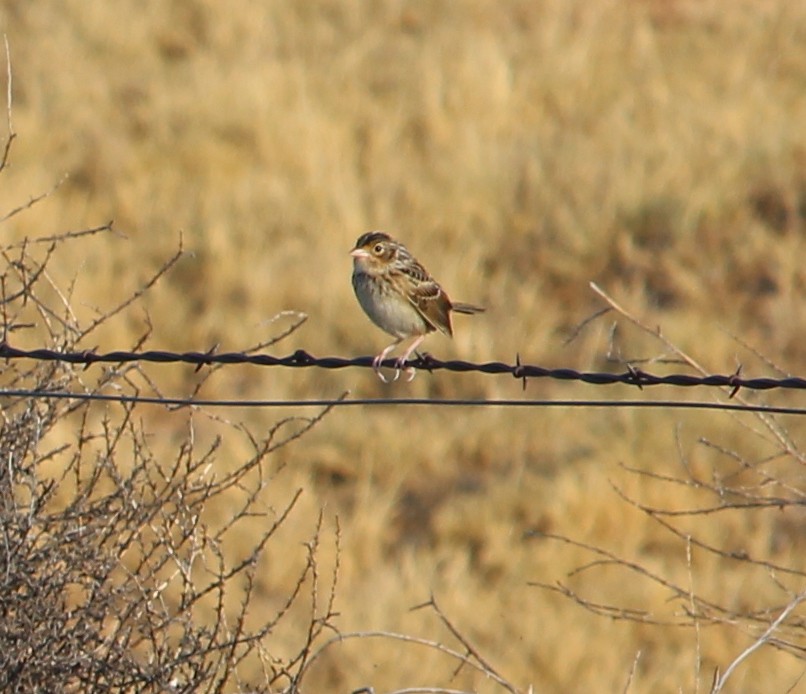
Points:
(422, 605)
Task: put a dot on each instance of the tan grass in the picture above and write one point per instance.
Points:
(521, 149)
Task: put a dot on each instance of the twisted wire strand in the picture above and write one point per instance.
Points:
(302, 359)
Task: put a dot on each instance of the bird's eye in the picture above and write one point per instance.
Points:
(377, 249)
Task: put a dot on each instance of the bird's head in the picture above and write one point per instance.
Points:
(374, 251)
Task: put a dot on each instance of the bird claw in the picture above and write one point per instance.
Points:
(376, 366)
(400, 366)
(410, 371)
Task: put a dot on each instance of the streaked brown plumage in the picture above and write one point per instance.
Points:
(399, 295)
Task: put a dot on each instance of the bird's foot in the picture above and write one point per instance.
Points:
(410, 371)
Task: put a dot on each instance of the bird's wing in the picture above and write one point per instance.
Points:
(428, 298)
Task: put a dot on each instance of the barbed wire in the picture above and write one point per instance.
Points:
(302, 359)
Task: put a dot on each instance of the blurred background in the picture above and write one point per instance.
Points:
(520, 150)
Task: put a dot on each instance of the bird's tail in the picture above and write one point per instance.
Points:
(467, 308)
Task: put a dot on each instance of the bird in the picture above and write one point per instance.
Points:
(400, 296)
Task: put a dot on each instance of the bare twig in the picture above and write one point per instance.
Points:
(633, 669)
(11, 134)
(462, 658)
(470, 649)
(33, 200)
(106, 315)
(721, 679)
(771, 425)
(67, 236)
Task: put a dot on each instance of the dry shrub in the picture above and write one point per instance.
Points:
(736, 513)
(111, 578)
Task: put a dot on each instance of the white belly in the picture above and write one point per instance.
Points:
(389, 311)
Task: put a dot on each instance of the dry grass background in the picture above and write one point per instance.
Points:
(521, 149)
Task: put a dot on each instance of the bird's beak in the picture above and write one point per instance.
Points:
(359, 253)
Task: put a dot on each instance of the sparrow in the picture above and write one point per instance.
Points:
(400, 296)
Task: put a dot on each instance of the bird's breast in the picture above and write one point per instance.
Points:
(387, 308)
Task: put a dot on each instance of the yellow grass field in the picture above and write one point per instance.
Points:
(521, 149)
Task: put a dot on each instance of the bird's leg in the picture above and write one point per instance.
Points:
(376, 362)
(411, 372)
